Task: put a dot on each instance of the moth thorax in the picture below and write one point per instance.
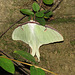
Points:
(31, 26)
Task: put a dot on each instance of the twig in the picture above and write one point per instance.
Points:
(53, 5)
(57, 5)
(12, 26)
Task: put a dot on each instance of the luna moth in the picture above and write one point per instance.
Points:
(36, 35)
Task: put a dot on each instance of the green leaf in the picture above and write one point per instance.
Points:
(36, 71)
(26, 55)
(39, 14)
(35, 7)
(40, 20)
(47, 15)
(48, 1)
(33, 70)
(7, 65)
(26, 12)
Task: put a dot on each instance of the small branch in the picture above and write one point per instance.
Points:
(55, 7)
(12, 26)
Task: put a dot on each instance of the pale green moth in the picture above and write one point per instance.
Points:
(36, 35)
